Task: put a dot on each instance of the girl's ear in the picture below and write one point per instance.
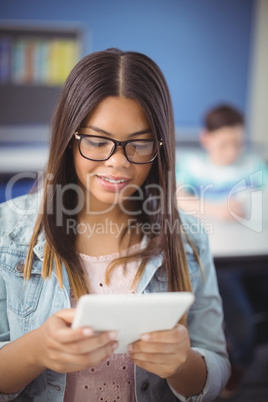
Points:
(204, 138)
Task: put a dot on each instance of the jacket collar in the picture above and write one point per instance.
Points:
(151, 267)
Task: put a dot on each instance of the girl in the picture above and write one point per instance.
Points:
(106, 221)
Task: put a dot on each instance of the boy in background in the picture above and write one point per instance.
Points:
(212, 174)
(204, 183)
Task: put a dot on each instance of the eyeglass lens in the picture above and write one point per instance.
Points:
(100, 149)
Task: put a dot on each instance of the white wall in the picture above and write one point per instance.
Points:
(258, 96)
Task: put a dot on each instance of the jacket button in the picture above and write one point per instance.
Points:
(20, 267)
(145, 386)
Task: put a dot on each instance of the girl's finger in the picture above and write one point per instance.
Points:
(63, 361)
(91, 344)
(153, 358)
(153, 347)
(87, 343)
(175, 335)
(69, 335)
(67, 315)
(98, 355)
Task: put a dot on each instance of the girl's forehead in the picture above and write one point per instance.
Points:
(117, 111)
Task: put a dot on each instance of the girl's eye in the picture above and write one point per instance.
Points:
(143, 146)
(138, 145)
(94, 143)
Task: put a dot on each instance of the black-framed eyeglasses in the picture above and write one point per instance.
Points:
(98, 148)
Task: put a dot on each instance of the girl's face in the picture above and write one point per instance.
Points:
(114, 180)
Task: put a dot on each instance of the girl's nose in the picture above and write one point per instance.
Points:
(118, 159)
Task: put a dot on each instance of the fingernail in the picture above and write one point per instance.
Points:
(145, 337)
(87, 331)
(112, 335)
(130, 348)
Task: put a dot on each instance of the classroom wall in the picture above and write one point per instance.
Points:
(203, 47)
(258, 88)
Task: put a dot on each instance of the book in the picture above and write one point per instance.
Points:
(40, 61)
(18, 61)
(63, 55)
(5, 48)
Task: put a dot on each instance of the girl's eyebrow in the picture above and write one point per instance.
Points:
(99, 130)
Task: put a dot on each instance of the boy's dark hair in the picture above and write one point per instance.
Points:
(223, 116)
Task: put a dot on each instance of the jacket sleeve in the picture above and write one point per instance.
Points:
(4, 332)
(4, 327)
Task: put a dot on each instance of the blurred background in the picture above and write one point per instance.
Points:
(210, 52)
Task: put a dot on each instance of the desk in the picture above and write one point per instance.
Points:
(240, 251)
(232, 243)
(243, 242)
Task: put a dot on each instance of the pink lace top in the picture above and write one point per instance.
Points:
(113, 379)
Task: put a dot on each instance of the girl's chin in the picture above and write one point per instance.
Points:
(105, 204)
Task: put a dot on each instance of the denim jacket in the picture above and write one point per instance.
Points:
(25, 305)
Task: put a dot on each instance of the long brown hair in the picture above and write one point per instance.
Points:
(96, 77)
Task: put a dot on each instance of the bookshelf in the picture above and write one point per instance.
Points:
(35, 60)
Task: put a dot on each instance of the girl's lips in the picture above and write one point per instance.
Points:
(113, 183)
(113, 179)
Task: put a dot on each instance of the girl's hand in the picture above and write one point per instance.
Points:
(162, 352)
(64, 349)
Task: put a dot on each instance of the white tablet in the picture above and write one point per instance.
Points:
(131, 315)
